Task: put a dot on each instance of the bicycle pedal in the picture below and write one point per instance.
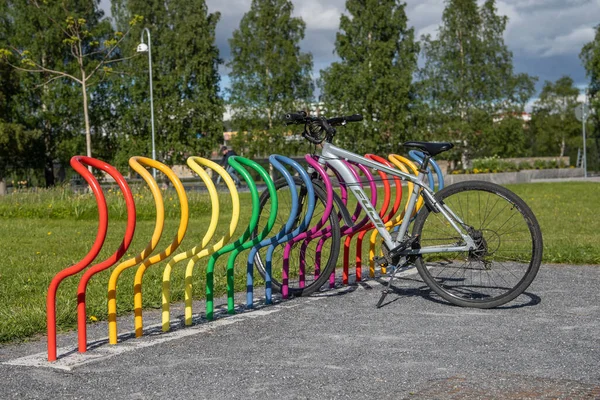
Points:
(381, 261)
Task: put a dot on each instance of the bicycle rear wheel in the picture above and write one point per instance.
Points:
(509, 243)
(319, 263)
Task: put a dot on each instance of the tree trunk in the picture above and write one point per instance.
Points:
(2, 187)
(47, 132)
(86, 117)
(49, 171)
(269, 116)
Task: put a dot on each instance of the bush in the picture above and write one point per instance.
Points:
(495, 164)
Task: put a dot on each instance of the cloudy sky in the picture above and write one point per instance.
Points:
(545, 36)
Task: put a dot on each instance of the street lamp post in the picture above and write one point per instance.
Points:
(582, 112)
(143, 48)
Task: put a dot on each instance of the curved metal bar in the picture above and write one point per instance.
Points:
(77, 162)
(362, 231)
(325, 233)
(286, 232)
(183, 223)
(87, 275)
(402, 163)
(358, 227)
(242, 243)
(212, 227)
(385, 218)
(313, 230)
(418, 157)
(137, 163)
(197, 164)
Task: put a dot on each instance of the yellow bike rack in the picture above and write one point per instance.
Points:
(183, 223)
(198, 164)
(137, 163)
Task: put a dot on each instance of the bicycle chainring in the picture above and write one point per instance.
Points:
(386, 252)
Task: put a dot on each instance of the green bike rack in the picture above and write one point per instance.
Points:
(242, 243)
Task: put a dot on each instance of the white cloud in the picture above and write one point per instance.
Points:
(229, 8)
(570, 43)
(549, 28)
(428, 30)
(319, 15)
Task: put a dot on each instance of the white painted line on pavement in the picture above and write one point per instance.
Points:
(70, 358)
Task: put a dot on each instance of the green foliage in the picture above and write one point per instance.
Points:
(269, 75)
(56, 48)
(188, 111)
(590, 56)
(495, 164)
(505, 137)
(468, 79)
(19, 148)
(555, 130)
(378, 59)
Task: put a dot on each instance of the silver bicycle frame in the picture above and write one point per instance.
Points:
(334, 157)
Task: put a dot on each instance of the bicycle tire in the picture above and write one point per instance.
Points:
(330, 252)
(507, 259)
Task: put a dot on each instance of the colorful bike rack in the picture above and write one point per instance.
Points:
(286, 233)
(382, 213)
(77, 163)
(291, 233)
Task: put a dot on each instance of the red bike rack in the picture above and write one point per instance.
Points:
(78, 163)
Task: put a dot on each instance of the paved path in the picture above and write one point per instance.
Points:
(546, 344)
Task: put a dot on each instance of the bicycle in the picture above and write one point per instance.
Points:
(474, 243)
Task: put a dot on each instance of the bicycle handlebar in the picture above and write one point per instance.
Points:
(314, 125)
(294, 118)
(302, 117)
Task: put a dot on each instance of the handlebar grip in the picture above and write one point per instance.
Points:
(354, 118)
(291, 118)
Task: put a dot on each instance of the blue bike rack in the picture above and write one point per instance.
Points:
(286, 233)
(418, 157)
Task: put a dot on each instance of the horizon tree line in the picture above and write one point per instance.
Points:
(67, 74)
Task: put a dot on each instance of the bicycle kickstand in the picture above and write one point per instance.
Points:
(392, 273)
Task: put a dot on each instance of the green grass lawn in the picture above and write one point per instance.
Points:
(568, 215)
(44, 232)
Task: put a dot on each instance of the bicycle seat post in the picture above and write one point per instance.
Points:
(426, 158)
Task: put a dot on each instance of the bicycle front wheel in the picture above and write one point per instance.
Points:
(318, 259)
(508, 239)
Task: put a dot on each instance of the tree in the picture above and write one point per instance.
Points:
(185, 60)
(91, 44)
(555, 127)
(468, 77)
(269, 74)
(18, 145)
(590, 56)
(374, 77)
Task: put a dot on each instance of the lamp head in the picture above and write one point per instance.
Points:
(142, 48)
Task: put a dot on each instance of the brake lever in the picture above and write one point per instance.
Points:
(328, 128)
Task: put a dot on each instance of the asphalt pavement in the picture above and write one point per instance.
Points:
(543, 345)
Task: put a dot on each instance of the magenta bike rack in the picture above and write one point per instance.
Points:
(311, 231)
(356, 226)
